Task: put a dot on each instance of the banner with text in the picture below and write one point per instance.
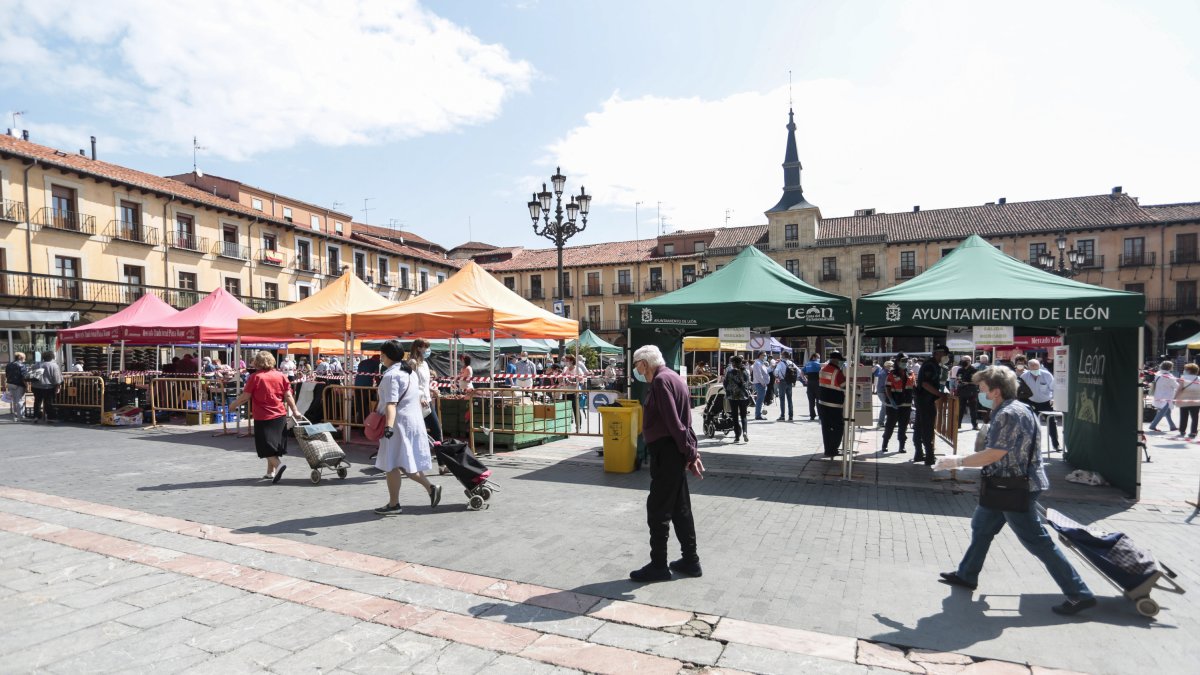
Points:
(734, 334)
(1102, 423)
(992, 335)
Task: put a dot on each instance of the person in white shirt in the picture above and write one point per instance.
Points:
(288, 367)
(575, 377)
(1163, 393)
(525, 371)
(760, 377)
(1041, 383)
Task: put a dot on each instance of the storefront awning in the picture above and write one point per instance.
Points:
(21, 318)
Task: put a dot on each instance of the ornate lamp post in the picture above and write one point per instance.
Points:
(559, 230)
(1065, 264)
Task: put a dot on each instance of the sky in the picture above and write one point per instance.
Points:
(446, 116)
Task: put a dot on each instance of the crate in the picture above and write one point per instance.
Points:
(194, 418)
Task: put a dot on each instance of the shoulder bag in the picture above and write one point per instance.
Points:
(1003, 493)
(376, 423)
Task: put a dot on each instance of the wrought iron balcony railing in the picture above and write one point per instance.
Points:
(65, 221)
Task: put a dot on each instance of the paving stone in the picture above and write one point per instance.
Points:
(543, 620)
(660, 643)
(805, 642)
(181, 607)
(507, 664)
(184, 587)
(886, 656)
(331, 653)
(992, 667)
(310, 631)
(776, 662)
(39, 656)
(119, 589)
(573, 653)
(232, 610)
(159, 644)
(398, 654)
(252, 657)
(930, 656)
(248, 628)
(455, 658)
(60, 625)
(445, 599)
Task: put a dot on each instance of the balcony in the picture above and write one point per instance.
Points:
(907, 271)
(565, 292)
(656, 286)
(623, 288)
(1180, 305)
(616, 326)
(1185, 257)
(1142, 259)
(306, 265)
(272, 258)
(1093, 263)
(185, 241)
(65, 221)
(231, 250)
(263, 304)
(868, 273)
(830, 275)
(792, 243)
(134, 233)
(182, 299)
(593, 290)
(385, 281)
(335, 269)
(535, 294)
(12, 211)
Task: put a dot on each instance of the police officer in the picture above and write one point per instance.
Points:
(898, 395)
(831, 399)
(929, 379)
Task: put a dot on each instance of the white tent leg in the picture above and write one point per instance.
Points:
(122, 362)
(848, 404)
(492, 385)
(1141, 420)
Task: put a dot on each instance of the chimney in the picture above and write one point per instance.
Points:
(93, 147)
(916, 208)
(1001, 201)
(25, 135)
(1117, 190)
(82, 153)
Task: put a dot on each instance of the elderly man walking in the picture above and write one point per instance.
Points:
(671, 447)
(760, 375)
(1041, 383)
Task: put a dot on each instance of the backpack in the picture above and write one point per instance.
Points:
(1024, 393)
(791, 374)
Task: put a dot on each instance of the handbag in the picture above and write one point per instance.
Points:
(1007, 493)
(376, 423)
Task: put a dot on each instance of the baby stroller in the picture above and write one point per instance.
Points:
(458, 458)
(717, 416)
(1131, 569)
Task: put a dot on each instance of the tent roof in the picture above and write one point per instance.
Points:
(468, 304)
(518, 345)
(325, 314)
(212, 320)
(978, 285)
(589, 339)
(1192, 342)
(148, 310)
(752, 290)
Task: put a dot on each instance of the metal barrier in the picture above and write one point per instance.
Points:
(84, 392)
(178, 394)
(523, 415)
(946, 428)
(347, 406)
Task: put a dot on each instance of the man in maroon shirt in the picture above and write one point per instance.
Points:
(671, 446)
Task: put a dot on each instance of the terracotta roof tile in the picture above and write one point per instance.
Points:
(474, 246)
(1048, 215)
(610, 253)
(1171, 212)
(739, 236)
(410, 251)
(389, 233)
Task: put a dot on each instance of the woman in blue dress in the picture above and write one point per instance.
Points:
(404, 447)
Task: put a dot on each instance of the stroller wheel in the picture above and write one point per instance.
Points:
(342, 472)
(710, 430)
(486, 493)
(475, 503)
(315, 476)
(1147, 607)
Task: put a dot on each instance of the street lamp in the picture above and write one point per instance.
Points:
(1065, 264)
(559, 230)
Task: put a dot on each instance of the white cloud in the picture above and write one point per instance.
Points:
(250, 77)
(974, 108)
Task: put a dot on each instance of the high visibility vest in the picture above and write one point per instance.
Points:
(831, 386)
(901, 388)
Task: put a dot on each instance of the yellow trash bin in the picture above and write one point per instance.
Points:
(622, 423)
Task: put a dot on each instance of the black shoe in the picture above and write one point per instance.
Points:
(687, 568)
(279, 473)
(832, 455)
(372, 457)
(952, 579)
(1071, 607)
(386, 510)
(929, 462)
(883, 450)
(789, 419)
(902, 451)
(651, 573)
(779, 419)
(745, 438)
(435, 496)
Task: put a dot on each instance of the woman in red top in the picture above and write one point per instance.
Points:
(271, 400)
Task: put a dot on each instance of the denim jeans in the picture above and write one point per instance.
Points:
(987, 523)
(784, 392)
(882, 410)
(760, 395)
(1164, 413)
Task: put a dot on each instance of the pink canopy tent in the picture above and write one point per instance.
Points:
(213, 320)
(147, 310)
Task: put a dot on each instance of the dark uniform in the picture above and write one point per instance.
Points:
(900, 385)
(831, 399)
(930, 373)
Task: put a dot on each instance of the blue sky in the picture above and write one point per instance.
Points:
(446, 113)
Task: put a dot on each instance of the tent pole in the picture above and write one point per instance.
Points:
(199, 359)
(492, 386)
(628, 363)
(1141, 420)
(848, 403)
(122, 366)
(237, 380)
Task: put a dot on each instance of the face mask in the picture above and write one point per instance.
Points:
(985, 401)
(1034, 370)
(425, 354)
(944, 359)
(637, 375)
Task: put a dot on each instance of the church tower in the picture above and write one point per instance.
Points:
(793, 221)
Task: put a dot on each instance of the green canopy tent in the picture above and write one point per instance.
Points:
(1188, 343)
(589, 339)
(978, 285)
(518, 345)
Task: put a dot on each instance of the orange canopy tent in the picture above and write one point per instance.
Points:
(325, 314)
(472, 303)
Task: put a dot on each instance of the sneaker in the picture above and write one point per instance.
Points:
(1071, 607)
(650, 573)
(952, 579)
(435, 496)
(745, 438)
(372, 457)
(386, 510)
(689, 568)
(779, 420)
(883, 450)
(279, 473)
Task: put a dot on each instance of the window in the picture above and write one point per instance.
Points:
(62, 199)
(535, 287)
(698, 247)
(1136, 288)
(624, 285)
(270, 291)
(656, 282)
(829, 271)
(594, 315)
(1185, 248)
(287, 213)
(424, 279)
(791, 232)
(441, 278)
(593, 284)
(1087, 252)
(337, 227)
(256, 204)
(792, 266)
(333, 255)
(130, 227)
(187, 281)
(1036, 251)
(510, 283)
(1185, 294)
(1134, 251)
(187, 290)
(689, 274)
(185, 232)
(404, 278)
(315, 222)
(381, 264)
(133, 276)
(270, 242)
(304, 256)
(360, 265)
(233, 286)
(866, 266)
(947, 251)
(229, 235)
(669, 249)
(908, 263)
(67, 269)
(566, 311)
(303, 291)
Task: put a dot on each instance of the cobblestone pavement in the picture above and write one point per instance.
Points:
(798, 565)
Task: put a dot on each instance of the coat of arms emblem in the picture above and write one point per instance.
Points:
(647, 315)
(892, 312)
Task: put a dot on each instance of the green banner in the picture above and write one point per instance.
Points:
(1104, 404)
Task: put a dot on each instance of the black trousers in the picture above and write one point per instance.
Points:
(832, 428)
(923, 429)
(897, 417)
(739, 410)
(812, 400)
(669, 502)
(1047, 405)
(43, 403)
(1186, 413)
(969, 402)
